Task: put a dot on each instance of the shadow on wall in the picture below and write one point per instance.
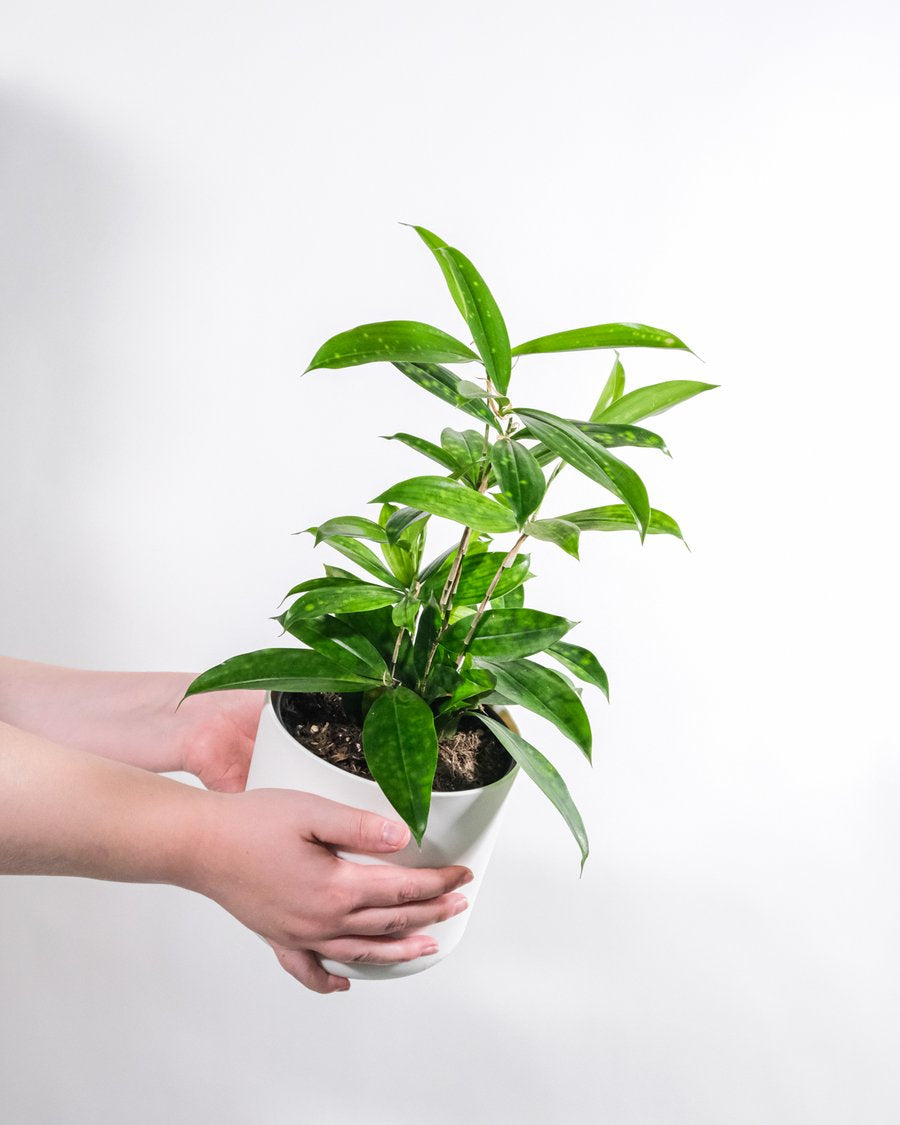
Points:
(63, 199)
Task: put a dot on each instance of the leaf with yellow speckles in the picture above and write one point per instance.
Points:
(519, 476)
(602, 336)
(646, 401)
(394, 341)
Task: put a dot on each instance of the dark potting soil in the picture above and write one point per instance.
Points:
(469, 759)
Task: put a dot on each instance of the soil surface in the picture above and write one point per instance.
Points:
(468, 759)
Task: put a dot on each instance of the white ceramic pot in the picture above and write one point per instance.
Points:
(462, 827)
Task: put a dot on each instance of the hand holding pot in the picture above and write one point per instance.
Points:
(267, 858)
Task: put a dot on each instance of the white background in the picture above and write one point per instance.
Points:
(194, 196)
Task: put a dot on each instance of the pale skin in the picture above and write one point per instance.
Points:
(79, 795)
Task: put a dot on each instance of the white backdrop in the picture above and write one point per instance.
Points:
(194, 196)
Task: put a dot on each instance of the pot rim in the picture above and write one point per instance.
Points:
(435, 793)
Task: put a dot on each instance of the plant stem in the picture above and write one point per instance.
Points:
(479, 613)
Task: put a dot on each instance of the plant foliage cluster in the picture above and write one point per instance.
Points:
(415, 644)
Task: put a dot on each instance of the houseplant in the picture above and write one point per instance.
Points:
(394, 691)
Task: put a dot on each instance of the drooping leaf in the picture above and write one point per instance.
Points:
(610, 434)
(508, 634)
(482, 315)
(647, 401)
(582, 663)
(443, 384)
(547, 694)
(545, 776)
(397, 341)
(622, 335)
(452, 500)
(559, 531)
(428, 449)
(616, 517)
(354, 527)
(592, 459)
(280, 669)
(613, 388)
(352, 597)
(519, 477)
(401, 749)
(342, 644)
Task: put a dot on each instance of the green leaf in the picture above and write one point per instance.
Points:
(350, 598)
(602, 336)
(508, 634)
(280, 669)
(452, 500)
(647, 401)
(513, 599)
(482, 315)
(376, 626)
(559, 531)
(545, 776)
(476, 574)
(400, 520)
(355, 527)
(615, 434)
(593, 460)
(401, 749)
(397, 341)
(582, 663)
(519, 477)
(360, 554)
(341, 643)
(437, 563)
(320, 584)
(613, 389)
(434, 244)
(428, 449)
(466, 448)
(616, 517)
(444, 385)
(474, 685)
(547, 694)
(404, 613)
(427, 630)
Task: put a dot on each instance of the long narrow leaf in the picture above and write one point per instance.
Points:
(507, 634)
(428, 449)
(591, 459)
(616, 517)
(547, 694)
(397, 341)
(620, 335)
(279, 669)
(451, 500)
(545, 776)
(582, 663)
(482, 315)
(519, 476)
(647, 401)
(443, 384)
(613, 388)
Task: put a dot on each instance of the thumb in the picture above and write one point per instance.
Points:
(329, 822)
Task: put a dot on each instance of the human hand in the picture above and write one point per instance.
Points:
(267, 858)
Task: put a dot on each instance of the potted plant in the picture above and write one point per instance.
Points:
(391, 702)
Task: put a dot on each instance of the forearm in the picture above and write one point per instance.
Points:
(120, 715)
(70, 813)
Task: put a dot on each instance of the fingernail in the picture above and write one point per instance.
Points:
(467, 878)
(460, 905)
(429, 948)
(393, 833)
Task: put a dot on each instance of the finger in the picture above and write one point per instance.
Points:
(411, 916)
(329, 822)
(388, 885)
(304, 966)
(378, 950)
